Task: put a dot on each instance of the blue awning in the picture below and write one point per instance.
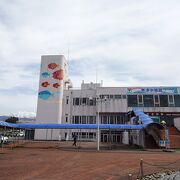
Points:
(71, 126)
(145, 119)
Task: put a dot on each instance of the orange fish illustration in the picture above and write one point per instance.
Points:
(58, 74)
(56, 85)
(45, 84)
(53, 65)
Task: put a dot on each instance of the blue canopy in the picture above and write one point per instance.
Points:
(71, 126)
(145, 119)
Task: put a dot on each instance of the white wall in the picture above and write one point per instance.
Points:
(49, 109)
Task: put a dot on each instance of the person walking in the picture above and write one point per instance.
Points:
(74, 139)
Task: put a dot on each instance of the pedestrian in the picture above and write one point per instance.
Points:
(74, 139)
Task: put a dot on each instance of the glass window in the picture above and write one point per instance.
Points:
(66, 117)
(123, 96)
(83, 119)
(84, 101)
(171, 99)
(118, 119)
(140, 99)
(177, 100)
(132, 101)
(104, 96)
(77, 119)
(83, 135)
(91, 102)
(163, 100)
(111, 96)
(76, 101)
(111, 119)
(148, 101)
(67, 99)
(91, 120)
(104, 120)
(91, 135)
(117, 96)
(156, 99)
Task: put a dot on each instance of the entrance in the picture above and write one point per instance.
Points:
(111, 136)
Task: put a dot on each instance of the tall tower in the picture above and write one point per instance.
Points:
(53, 78)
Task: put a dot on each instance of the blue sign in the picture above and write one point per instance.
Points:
(152, 90)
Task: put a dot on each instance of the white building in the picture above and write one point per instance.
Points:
(63, 104)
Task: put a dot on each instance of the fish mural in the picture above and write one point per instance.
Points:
(58, 74)
(52, 65)
(45, 95)
(45, 75)
(56, 85)
(45, 84)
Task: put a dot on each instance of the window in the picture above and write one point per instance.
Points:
(91, 119)
(156, 101)
(111, 119)
(163, 100)
(84, 101)
(66, 118)
(91, 102)
(67, 99)
(111, 96)
(76, 119)
(76, 101)
(117, 96)
(104, 120)
(118, 119)
(104, 96)
(140, 99)
(171, 100)
(177, 100)
(83, 135)
(148, 101)
(123, 96)
(83, 119)
(91, 135)
(132, 101)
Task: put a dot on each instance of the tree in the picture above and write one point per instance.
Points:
(12, 119)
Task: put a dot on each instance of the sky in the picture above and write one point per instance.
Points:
(128, 43)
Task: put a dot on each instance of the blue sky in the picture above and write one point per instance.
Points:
(129, 43)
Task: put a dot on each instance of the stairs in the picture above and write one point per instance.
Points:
(155, 133)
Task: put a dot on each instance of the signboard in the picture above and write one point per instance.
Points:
(161, 143)
(152, 90)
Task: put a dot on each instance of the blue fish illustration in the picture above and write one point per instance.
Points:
(45, 74)
(45, 95)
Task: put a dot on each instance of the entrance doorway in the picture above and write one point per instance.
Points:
(111, 136)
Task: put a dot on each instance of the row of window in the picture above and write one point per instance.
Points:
(84, 101)
(92, 101)
(84, 120)
(85, 135)
(112, 96)
(104, 119)
(153, 100)
(112, 119)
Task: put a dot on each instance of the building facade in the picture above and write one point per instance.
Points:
(93, 104)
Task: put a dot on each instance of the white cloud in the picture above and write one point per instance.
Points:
(141, 38)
